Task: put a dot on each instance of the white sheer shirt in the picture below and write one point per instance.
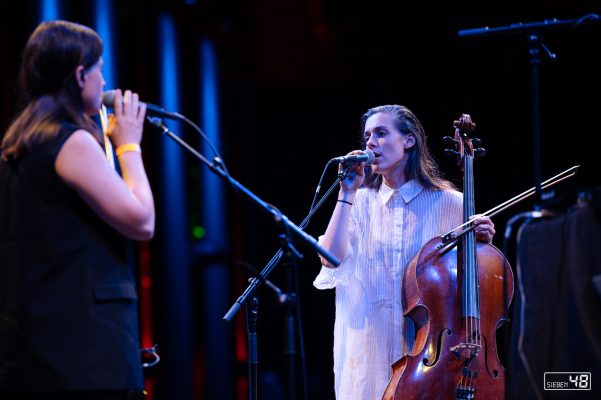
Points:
(387, 228)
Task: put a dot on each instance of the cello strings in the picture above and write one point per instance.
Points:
(466, 381)
(474, 313)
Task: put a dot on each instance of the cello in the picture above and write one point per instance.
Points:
(457, 291)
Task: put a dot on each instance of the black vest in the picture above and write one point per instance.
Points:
(68, 303)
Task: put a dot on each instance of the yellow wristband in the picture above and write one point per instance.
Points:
(124, 148)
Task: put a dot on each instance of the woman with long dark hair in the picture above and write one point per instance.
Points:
(68, 303)
(381, 220)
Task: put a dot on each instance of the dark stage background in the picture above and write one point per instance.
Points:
(293, 79)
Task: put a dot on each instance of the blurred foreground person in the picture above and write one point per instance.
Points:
(68, 303)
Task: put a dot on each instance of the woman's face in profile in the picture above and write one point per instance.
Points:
(93, 87)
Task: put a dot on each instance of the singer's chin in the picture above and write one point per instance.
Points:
(93, 112)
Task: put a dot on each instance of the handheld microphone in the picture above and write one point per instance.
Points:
(366, 156)
(108, 99)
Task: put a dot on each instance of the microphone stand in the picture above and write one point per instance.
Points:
(277, 215)
(276, 258)
(533, 31)
(291, 255)
(288, 228)
(289, 299)
(252, 310)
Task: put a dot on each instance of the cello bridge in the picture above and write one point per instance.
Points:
(468, 349)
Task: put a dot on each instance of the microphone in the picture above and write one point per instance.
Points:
(366, 156)
(108, 99)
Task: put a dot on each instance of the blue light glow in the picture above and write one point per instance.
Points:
(213, 209)
(175, 260)
(49, 10)
(172, 154)
(103, 10)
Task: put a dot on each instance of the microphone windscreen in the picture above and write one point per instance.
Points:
(370, 157)
(108, 98)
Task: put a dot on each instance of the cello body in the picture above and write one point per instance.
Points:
(439, 364)
(458, 293)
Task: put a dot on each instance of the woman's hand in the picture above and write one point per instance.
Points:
(354, 178)
(485, 229)
(127, 122)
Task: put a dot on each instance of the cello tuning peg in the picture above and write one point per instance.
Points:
(448, 141)
(477, 142)
(480, 152)
(451, 153)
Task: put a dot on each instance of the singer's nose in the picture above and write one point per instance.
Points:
(370, 143)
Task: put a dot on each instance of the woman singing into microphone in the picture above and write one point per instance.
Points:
(68, 303)
(380, 222)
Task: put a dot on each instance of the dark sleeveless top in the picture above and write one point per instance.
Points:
(68, 303)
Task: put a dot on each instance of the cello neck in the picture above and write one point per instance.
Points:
(470, 293)
(469, 288)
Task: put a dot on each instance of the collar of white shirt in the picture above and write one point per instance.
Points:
(408, 191)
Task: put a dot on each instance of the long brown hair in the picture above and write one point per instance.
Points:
(420, 164)
(48, 89)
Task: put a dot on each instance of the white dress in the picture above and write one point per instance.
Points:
(387, 228)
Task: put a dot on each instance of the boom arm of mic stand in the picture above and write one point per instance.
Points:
(278, 217)
(254, 284)
(529, 27)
